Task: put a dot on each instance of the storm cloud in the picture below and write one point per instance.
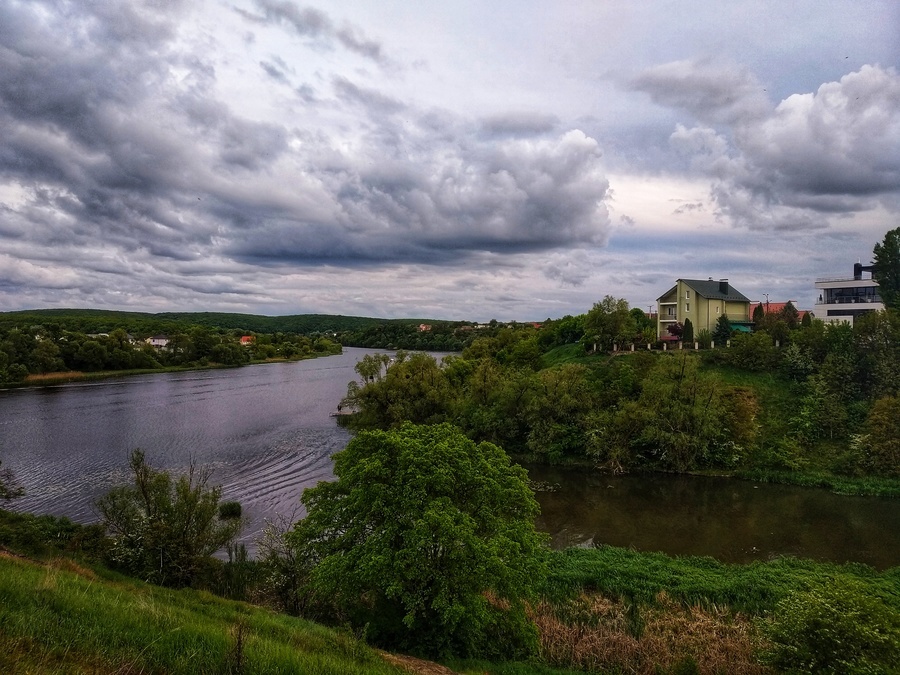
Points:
(275, 156)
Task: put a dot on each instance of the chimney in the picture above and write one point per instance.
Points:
(723, 286)
(857, 271)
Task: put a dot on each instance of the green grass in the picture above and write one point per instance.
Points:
(753, 588)
(866, 486)
(68, 619)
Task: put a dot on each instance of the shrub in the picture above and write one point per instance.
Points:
(834, 628)
(165, 530)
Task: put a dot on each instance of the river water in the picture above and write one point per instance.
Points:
(267, 433)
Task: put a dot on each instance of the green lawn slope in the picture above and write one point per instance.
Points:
(63, 618)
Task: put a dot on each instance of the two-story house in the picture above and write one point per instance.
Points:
(703, 302)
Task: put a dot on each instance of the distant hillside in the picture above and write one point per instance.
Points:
(104, 321)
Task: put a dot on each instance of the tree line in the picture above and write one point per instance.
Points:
(51, 348)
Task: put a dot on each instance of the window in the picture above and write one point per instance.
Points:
(687, 307)
(717, 309)
(687, 295)
(671, 311)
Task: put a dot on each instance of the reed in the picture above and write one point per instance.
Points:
(597, 634)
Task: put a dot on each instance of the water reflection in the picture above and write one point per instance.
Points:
(734, 521)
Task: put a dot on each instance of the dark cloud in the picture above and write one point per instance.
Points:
(515, 196)
(315, 24)
(370, 99)
(518, 124)
(711, 92)
(274, 72)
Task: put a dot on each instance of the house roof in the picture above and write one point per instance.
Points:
(711, 290)
(776, 307)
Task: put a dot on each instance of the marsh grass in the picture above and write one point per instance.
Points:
(63, 618)
(596, 634)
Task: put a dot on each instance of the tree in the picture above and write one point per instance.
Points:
(683, 417)
(790, 315)
(759, 315)
(609, 323)
(428, 540)
(886, 268)
(883, 436)
(165, 530)
(722, 331)
(9, 486)
(687, 334)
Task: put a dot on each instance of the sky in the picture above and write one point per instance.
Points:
(457, 160)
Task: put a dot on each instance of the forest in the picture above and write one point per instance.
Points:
(824, 399)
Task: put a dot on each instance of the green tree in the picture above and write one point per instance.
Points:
(684, 424)
(428, 540)
(883, 436)
(722, 332)
(687, 334)
(887, 268)
(790, 315)
(609, 323)
(759, 315)
(165, 530)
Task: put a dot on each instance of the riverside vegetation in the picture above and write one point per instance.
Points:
(425, 541)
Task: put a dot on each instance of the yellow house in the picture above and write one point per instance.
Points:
(703, 302)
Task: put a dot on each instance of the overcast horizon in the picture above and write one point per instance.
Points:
(455, 160)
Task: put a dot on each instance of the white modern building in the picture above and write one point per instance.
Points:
(841, 300)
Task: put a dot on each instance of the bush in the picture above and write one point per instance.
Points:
(164, 531)
(834, 628)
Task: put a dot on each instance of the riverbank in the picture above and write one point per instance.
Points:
(604, 609)
(67, 377)
(851, 486)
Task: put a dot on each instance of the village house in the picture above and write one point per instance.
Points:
(703, 302)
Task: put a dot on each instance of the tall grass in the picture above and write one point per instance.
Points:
(754, 588)
(867, 486)
(66, 619)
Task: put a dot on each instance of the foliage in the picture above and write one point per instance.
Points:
(722, 332)
(164, 530)
(428, 540)
(882, 437)
(837, 628)
(47, 536)
(753, 351)
(704, 338)
(687, 334)
(753, 588)
(682, 415)
(886, 257)
(609, 323)
(9, 486)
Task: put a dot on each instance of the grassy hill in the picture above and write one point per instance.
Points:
(61, 617)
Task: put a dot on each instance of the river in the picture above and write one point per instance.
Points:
(267, 433)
